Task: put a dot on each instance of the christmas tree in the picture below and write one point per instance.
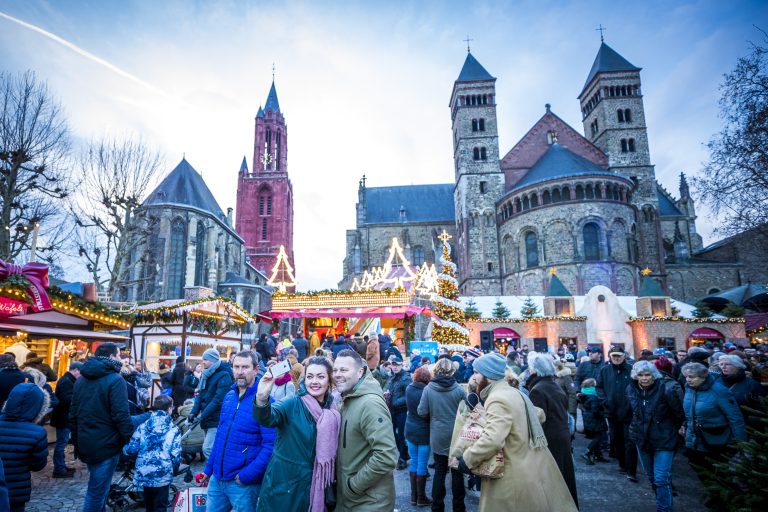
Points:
(471, 310)
(449, 317)
(529, 309)
(500, 311)
(701, 311)
(732, 311)
(282, 273)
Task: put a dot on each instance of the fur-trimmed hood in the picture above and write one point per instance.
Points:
(564, 372)
(27, 402)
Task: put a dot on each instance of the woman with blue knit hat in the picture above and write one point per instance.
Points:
(532, 480)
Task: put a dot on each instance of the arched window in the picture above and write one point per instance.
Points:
(591, 233)
(526, 203)
(598, 192)
(579, 192)
(418, 255)
(518, 205)
(200, 252)
(620, 114)
(483, 154)
(481, 124)
(624, 145)
(556, 195)
(546, 198)
(566, 194)
(627, 115)
(631, 145)
(589, 192)
(531, 250)
(177, 259)
(263, 229)
(534, 200)
(474, 125)
(476, 153)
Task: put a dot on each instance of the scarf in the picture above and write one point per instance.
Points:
(207, 372)
(117, 365)
(536, 437)
(328, 423)
(589, 391)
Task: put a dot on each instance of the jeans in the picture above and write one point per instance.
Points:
(398, 426)
(658, 467)
(210, 437)
(419, 458)
(624, 449)
(62, 438)
(157, 499)
(99, 481)
(438, 486)
(224, 496)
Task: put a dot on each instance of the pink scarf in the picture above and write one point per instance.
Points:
(328, 423)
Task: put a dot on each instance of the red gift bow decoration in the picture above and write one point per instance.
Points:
(36, 274)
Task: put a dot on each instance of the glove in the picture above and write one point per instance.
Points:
(463, 468)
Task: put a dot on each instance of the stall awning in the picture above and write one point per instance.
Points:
(706, 332)
(58, 333)
(362, 312)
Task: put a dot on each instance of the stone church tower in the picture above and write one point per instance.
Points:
(614, 120)
(265, 194)
(479, 180)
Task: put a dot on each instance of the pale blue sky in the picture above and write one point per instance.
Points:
(365, 86)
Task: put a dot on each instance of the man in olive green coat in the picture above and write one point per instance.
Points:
(367, 452)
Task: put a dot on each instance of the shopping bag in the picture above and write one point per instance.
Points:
(467, 429)
(192, 499)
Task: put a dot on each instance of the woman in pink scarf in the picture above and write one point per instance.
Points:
(302, 464)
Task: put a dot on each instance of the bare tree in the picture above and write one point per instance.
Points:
(735, 179)
(116, 174)
(34, 145)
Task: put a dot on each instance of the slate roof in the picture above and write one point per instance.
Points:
(423, 203)
(235, 279)
(260, 113)
(272, 103)
(473, 71)
(649, 287)
(607, 60)
(184, 186)
(560, 162)
(666, 207)
(556, 288)
(244, 166)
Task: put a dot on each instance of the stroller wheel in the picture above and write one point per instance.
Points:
(121, 504)
(173, 493)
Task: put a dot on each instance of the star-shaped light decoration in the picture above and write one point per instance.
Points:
(553, 271)
(646, 271)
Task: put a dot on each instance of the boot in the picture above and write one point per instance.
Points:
(587, 456)
(423, 499)
(414, 492)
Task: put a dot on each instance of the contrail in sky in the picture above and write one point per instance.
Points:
(82, 52)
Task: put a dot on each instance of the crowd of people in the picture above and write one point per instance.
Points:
(323, 423)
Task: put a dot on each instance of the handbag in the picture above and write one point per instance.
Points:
(330, 497)
(472, 422)
(711, 437)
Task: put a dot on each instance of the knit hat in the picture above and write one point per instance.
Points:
(664, 365)
(443, 367)
(211, 355)
(492, 365)
(472, 352)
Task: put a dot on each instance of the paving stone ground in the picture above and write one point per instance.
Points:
(601, 488)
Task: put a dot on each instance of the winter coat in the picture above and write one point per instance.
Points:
(99, 416)
(191, 381)
(564, 379)
(157, 446)
(469, 370)
(133, 394)
(4, 503)
(38, 364)
(746, 390)
(588, 370)
(532, 481)
(282, 391)
(459, 373)
(592, 415)
(547, 395)
(9, 377)
(381, 377)
(266, 347)
(193, 443)
(416, 427)
(657, 414)
(208, 402)
(302, 347)
(242, 447)
(286, 482)
(367, 452)
(384, 343)
(440, 402)
(612, 382)
(23, 443)
(396, 385)
(339, 345)
(372, 354)
(65, 388)
(179, 392)
(716, 411)
(314, 343)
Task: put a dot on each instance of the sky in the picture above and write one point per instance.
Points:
(364, 86)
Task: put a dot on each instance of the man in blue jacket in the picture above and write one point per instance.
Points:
(242, 448)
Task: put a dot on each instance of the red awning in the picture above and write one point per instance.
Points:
(706, 332)
(362, 312)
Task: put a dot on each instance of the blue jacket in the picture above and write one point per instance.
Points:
(459, 374)
(208, 402)
(416, 427)
(4, 503)
(242, 447)
(339, 345)
(469, 369)
(715, 409)
(157, 443)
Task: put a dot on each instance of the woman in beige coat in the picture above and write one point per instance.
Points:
(531, 482)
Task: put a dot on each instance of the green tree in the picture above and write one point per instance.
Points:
(471, 310)
(732, 311)
(500, 310)
(702, 310)
(529, 309)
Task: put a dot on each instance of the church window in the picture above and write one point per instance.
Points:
(598, 192)
(620, 114)
(481, 124)
(278, 151)
(624, 147)
(176, 259)
(546, 197)
(566, 194)
(483, 186)
(490, 266)
(631, 145)
(418, 255)
(269, 205)
(526, 203)
(200, 251)
(489, 220)
(556, 195)
(269, 139)
(483, 154)
(616, 195)
(261, 205)
(534, 200)
(531, 250)
(474, 125)
(476, 153)
(627, 115)
(591, 235)
(518, 205)
(263, 229)
(589, 192)
(579, 192)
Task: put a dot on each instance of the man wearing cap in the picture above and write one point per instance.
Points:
(532, 480)
(65, 388)
(214, 385)
(394, 394)
(612, 382)
(590, 369)
(469, 357)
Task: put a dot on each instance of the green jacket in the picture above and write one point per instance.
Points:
(289, 474)
(367, 452)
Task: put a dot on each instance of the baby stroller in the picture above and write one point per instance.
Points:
(193, 435)
(124, 493)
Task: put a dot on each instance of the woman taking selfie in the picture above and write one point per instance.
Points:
(307, 437)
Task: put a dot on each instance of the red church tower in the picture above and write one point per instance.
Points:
(265, 196)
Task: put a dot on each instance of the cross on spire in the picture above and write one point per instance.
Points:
(600, 28)
(273, 71)
(467, 40)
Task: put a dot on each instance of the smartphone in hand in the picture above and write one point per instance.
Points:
(280, 369)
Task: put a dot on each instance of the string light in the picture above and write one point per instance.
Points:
(341, 298)
(284, 270)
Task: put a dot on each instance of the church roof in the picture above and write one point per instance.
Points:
(556, 288)
(272, 103)
(667, 207)
(649, 287)
(260, 113)
(473, 71)
(185, 187)
(244, 166)
(422, 203)
(560, 162)
(606, 61)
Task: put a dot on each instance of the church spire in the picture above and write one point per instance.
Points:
(244, 166)
(272, 103)
(685, 193)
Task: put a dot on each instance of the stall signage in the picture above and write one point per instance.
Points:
(425, 348)
(9, 307)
